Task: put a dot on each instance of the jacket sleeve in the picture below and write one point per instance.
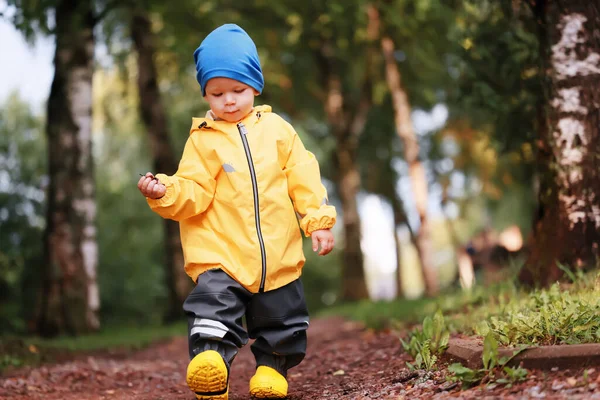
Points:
(305, 188)
(190, 191)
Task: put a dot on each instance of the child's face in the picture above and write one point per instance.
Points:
(229, 100)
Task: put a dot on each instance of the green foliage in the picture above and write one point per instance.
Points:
(22, 182)
(320, 278)
(31, 17)
(556, 315)
(550, 316)
(467, 376)
(115, 337)
(426, 344)
(130, 271)
(8, 360)
(494, 367)
(574, 276)
(499, 80)
(513, 375)
(497, 93)
(381, 314)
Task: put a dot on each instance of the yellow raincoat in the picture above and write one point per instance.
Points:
(238, 194)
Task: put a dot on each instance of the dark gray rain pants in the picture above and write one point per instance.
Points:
(277, 319)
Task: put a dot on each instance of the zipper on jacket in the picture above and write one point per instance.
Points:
(243, 132)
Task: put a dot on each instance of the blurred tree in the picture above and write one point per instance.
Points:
(22, 182)
(131, 268)
(69, 297)
(493, 109)
(346, 111)
(154, 117)
(416, 169)
(566, 228)
(421, 58)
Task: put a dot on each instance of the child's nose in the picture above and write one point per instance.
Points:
(229, 98)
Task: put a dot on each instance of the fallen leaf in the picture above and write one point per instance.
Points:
(572, 381)
(339, 372)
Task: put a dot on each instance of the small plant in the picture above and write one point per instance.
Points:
(494, 368)
(8, 360)
(467, 376)
(426, 344)
(513, 375)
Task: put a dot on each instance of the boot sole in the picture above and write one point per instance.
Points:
(207, 377)
(266, 393)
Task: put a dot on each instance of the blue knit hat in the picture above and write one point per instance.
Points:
(228, 52)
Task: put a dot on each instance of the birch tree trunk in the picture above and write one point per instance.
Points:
(418, 178)
(69, 299)
(567, 228)
(155, 120)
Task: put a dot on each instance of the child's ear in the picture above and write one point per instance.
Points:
(256, 92)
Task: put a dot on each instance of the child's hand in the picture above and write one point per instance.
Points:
(324, 237)
(151, 187)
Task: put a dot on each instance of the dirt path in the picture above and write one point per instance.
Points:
(344, 362)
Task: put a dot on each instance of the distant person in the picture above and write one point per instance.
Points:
(492, 254)
(243, 182)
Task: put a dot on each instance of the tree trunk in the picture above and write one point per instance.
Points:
(399, 219)
(567, 227)
(347, 180)
(155, 120)
(416, 169)
(347, 124)
(377, 182)
(69, 300)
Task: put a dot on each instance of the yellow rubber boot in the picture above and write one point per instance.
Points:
(268, 384)
(207, 376)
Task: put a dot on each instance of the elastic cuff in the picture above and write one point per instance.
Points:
(170, 194)
(323, 218)
(323, 223)
(315, 224)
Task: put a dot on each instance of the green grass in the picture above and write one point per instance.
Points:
(21, 351)
(405, 312)
(381, 313)
(128, 337)
(546, 317)
(561, 314)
